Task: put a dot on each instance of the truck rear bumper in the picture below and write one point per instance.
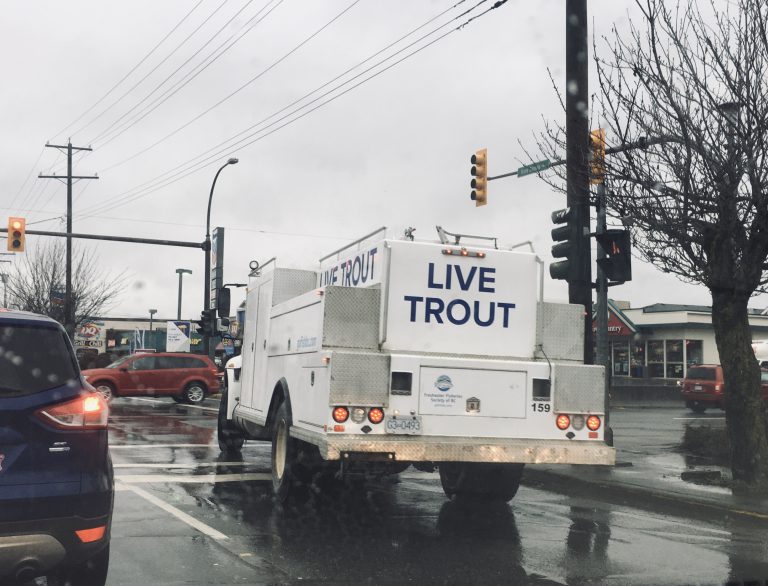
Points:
(450, 449)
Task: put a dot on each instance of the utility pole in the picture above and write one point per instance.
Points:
(577, 163)
(69, 313)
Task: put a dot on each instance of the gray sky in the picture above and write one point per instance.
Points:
(394, 151)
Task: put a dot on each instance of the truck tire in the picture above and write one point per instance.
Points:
(230, 438)
(475, 480)
(284, 456)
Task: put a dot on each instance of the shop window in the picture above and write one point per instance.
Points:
(656, 358)
(675, 359)
(637, 368)
(620, 358)
(694, 352)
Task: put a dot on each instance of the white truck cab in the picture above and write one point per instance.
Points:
(395, 352)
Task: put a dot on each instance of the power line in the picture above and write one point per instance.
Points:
(118, 127)
(29, 175)
(238, 90)
(134, 86)
(207, 161)
(191, 75)
(135, 67)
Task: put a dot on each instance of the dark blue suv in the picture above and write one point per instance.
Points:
(56, 484)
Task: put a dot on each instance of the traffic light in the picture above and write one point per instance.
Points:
(566, 246)
(617, 265)
(597, 158)
(205, 323)
(17, 231)
(480, 177)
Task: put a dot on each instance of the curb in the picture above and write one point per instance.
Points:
(642, 497)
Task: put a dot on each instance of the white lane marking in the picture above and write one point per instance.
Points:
(259, 445)
(135, 446)
(180, 404)
(180, 515)
(697, 418)
(191, 466)
(194, 479)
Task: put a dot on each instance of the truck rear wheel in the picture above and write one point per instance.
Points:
(475, 480)
(284, 456)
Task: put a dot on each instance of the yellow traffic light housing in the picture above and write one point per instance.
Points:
(17, 229)
(597, 159)
(480, 177)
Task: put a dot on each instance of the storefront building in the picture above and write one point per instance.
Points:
(661, 341)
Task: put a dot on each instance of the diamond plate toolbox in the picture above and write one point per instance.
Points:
(360, 378)
(579, 389)
(351, 318)
(562, 331)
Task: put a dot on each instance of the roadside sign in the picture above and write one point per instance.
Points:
(217, 266)
(177, 335)
(536, 167)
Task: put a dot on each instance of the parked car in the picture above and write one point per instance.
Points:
(56, 483)
(703, 387)
(183, 376)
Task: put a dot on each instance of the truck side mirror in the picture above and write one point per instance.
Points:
(222, 305)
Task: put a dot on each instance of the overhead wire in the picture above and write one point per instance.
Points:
(29, 175)
(162, 181)
(119, 129)
(133, 69)
(155, 68)
(121, 125)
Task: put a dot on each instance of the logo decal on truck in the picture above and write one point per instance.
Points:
(473, 405)
(444, 383)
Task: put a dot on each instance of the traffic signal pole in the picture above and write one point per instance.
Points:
(577, 163)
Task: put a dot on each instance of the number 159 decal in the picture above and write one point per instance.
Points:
(540, 407)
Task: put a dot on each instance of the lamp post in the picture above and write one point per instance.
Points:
(207, 252)
(181, 273)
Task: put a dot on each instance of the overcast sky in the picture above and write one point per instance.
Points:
(392, 152)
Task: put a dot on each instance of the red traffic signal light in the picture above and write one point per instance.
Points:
(617, 265)
(17, 232)
(479, 173)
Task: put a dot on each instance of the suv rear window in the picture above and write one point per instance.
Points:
(702, 373)
(34, 359)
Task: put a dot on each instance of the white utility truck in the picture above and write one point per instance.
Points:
(392, 352)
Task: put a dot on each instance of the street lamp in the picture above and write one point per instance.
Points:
(152, 313)
(207, 251)
(180, 272)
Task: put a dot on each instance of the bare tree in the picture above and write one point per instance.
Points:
(691, 83)
(37, 283)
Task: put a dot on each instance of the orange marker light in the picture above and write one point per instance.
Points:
(563, 422)
(593, 422)
(91, 535)
(375, 415)
(340, 414)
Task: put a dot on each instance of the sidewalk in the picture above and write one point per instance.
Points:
(655, 479)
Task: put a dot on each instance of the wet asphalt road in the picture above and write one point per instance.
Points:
(186, 515)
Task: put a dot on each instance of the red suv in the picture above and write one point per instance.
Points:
(185, 377)
(703, 387)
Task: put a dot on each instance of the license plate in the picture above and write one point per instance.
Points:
(403, 425)
(697, 388)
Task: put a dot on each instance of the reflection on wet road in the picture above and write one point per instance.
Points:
(184, 514)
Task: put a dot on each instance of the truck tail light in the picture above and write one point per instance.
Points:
(593, 422)
(358, 414)
(375, 415)
(340, 414)
(88, 411)
(91, 535)
(563, 422)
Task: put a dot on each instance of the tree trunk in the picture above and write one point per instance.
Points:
(744, 404)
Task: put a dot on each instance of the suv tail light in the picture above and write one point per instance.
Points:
(88, 411)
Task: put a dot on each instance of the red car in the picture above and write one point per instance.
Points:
(185, 377)
(703, 387)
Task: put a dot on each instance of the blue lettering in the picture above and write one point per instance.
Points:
(431, 278)
(461, 303)
(356, 268)
(434, 307)
(487, 279)
(414, 300)
(465, 284)
(491, 313)
(335, 275)
(371, 255)
(346, 270)
(506, 307)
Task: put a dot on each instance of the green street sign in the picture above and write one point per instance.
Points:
(536, 167)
